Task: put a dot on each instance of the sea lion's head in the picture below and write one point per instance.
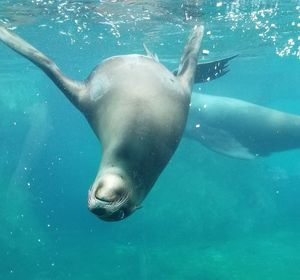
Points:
(111, 198)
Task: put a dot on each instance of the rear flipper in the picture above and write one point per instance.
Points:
(241, 129)
(207, 71)
(75, 91)
(210, 70)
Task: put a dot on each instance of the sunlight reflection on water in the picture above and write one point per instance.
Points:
(253, 24)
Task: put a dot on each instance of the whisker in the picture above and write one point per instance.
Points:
(117, 204)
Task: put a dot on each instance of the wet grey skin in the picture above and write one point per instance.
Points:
(137, 109)
(241, 129)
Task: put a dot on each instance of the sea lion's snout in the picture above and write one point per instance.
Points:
(110, 215)
(109, 198)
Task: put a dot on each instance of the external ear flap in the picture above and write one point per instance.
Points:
(138, 207)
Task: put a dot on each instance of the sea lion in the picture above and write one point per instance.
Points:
(137, 109)
(241, 129)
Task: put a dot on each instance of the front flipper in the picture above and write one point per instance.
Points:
(188, 62)
(241, 129)
(75, 91)
(210, 70)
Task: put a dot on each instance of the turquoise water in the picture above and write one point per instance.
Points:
(208, 216)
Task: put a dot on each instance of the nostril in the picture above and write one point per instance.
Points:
(107, 194)
(103, 198)
(100, 195)
(109, 188)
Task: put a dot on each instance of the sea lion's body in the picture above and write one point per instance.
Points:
(241, 129)
(137, 109)
(139, 119)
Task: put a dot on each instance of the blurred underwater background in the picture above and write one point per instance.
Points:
(208, 216)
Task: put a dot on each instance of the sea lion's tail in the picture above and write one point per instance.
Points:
(188, 61)
(75, 91)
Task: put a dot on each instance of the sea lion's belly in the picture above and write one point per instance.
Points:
(142, 113)
(136, 90)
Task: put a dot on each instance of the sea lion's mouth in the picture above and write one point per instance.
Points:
(108, 210)
(106, 215)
